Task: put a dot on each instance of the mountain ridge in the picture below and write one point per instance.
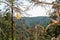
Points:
(32, 21)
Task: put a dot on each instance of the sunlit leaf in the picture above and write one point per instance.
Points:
(18, 16)
(12, 1)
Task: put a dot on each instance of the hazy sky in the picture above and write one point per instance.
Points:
(40, 11)
(36, 10)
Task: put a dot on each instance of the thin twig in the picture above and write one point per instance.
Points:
(47, 3)
(4, 2)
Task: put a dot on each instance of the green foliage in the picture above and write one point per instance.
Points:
(12, 1)
(24, 33)
(55, 6)
(6, 26)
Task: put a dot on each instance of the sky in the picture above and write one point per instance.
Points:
(1, 6)
(36, 10)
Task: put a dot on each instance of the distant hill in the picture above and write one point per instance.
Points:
(32, 21)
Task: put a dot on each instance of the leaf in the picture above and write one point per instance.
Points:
(12, 1)
(18, 16)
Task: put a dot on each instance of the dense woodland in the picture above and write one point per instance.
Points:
(9, 30)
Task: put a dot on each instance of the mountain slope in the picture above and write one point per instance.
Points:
(31, 21)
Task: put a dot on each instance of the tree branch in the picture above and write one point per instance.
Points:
(49, 26)
(4, 2)
(2, 32)
(47, 3)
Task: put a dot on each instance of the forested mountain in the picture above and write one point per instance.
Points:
(32, 21)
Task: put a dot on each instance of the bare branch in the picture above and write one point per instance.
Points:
(54, 21)
(49, 26)
(47, 3)
(4, 2)
(2, 32)
(19, 10)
